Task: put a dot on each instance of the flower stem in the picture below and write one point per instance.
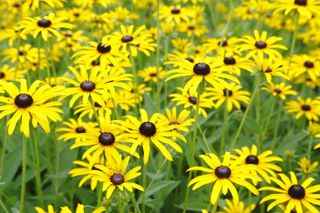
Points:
(224, 129)
(35, 146)
(158, 57)
(245, 114)
(144, 185)
(4, 147)
(23, 178)
(276, 128)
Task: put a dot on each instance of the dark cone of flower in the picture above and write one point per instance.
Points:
(227, 92)
(80, 130)
(229, 60)
(190, 59)
(193, 100)
(44, 23)
(23, 100)
(201, 69)
(260, 44)
(175, 11)
(296, 192)
(305, 107)
(87, 86)
(222, 172)
(301, 2)
(2, 75)
(126, 38)
(103, 49)
(117, 179)
(308, 64)
(106, 139)
(252, 159)
(147, 129)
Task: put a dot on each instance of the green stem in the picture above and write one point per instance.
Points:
(276, 127)
(245, 114)
(266, 126)
(99, 194)
(48, 61)
(158, 58)
(294, 35)
(57, 163)
(38, 168)
(3, 207)
(135, 82)
(134, 203)
(144, 185)
(4, 147)
(310, 147)
(224, 129)
(24, 173)
(258, 112)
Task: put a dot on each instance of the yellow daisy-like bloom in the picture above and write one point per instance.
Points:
(114, 176)
(314, 129)
(251, 9)
(295, 196)
(33, 104)
(150, 74)
(107, 140)
(50, 209)
(305, 8)
(306, 166)
(271, 67)
(105, 54)
(222, 46)
(263, 163)
(317, 146)
(201, 69)
(175, 14)
(305, 64)
(237, 207)
(85, 168)
(34, 4)
(12, 35)
(280, 90)
(181, 44)
(11, 74)
(132, 41)
(75, 129)
(80, 209)
(146, 131)
(308, 108)
(223, 175)
(261, 45)
(232, 95)
(180, 121)
(189, 99)
(47, 26)
(235, 64)
(23, 54)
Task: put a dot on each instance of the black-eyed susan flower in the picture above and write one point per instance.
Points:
(81, 209)
(224, 45)
(12, 35)
(201, 69)
(234, 63)
(261, 45)
(306, 166)
(114, 175)
(181, 44)
(11, 74)
(314, 129)
(224, 176)
(180, 121)
(232, 95)
(105, 141)
(308, 108)
(104, 53)
(263, 163)
(33, 104)
(132, 41)
(233, 206)
(305, 64)
(281, 90)
(175, 13)
(152, 74)
(24, 54)
(305, 8)
(46, 26)
(35, 4)
(75, 129)
(292, 194)
(271, 67)
(147, 131)
(189, 100)
(50, 209)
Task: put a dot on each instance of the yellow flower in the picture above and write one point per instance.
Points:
(114, 176)
(306, 166)
(308, 108)
(305, 8)
(11, 74)
(47, 26)
(150, 74)
(223, 175)
(31, 104)
(280, 90)
(237, 207)
(295, 195)
(175, 14)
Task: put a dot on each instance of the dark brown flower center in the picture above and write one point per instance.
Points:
(191, 27)
(301, 2)
(23, 100)
(192, 100)
(227, 92)
(276, 90)
(229, 60)
(252, 159)
(260, 44)
(103, 49)
(175, 11)
(308, 64)
(147, 129)
(95, 63)
(87, 86)
(201, 69)
(296, 192)
(117, 179)
(268, 70)
(68, 35)
(97, 105)
(80, 130)
(223, 43)
(106, 139)
(2, 75)
(153, 74)
(222, 172)
(76, 15)
(127, 38)
(306, 107)
(21, 52)
(190, 59)
(44, 23)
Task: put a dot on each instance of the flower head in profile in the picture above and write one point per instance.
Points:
(33, 104)
(224, 175)
(46, 26)
(291, 193)
(306, 166)
(114, 175)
